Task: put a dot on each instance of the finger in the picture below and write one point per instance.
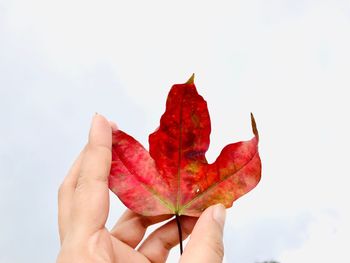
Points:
(157, 246)
(206, 243)
(137, 223)
(91, 200)
(66, 192)
(65, 196)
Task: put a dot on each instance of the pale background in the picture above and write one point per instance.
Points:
(287, 61)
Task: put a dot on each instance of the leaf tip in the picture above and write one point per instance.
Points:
(255, 129)
(191, 80)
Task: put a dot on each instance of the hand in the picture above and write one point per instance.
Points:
(83, 204)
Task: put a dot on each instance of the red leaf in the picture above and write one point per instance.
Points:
(174, 177)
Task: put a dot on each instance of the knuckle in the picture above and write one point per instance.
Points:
(100, 149)
(167, 245)
(144, 221)
(81, 185)
(216, 247)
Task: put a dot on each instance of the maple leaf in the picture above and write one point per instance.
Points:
(174, 177)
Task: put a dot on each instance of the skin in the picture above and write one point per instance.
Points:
(83, 207)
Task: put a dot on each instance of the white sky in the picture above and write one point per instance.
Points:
(287, 61)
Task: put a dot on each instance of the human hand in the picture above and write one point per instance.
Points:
(83, 205)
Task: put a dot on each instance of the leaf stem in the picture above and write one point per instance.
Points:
(180, 231)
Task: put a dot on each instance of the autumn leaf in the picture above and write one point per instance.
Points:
(174, 177)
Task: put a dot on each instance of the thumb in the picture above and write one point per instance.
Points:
(206, 243)
(91, 196)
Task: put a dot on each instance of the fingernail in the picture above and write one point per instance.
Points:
(94, 116)
(219, 214)
(113, 125)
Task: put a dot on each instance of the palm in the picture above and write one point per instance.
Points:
(120, 243)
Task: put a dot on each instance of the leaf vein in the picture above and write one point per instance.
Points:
(215, 184)
(149, 189)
